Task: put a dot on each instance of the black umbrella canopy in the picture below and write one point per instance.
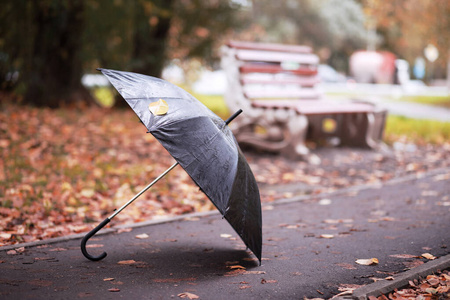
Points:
(202, 144)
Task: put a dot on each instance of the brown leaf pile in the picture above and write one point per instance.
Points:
(432, 287)
(63, 171)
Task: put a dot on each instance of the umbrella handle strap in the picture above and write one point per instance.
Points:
(88, 236)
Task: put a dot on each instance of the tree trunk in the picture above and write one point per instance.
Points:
(151, 29)
(53, 73)
(150, 36)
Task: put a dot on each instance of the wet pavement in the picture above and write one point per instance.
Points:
(310, 246)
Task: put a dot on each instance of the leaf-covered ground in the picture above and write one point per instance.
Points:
(63, 171)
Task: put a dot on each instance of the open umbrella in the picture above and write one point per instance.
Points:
(202, 144)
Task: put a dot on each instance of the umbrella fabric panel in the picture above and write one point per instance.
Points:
(141, 90)
(205, 153)
(244, 212)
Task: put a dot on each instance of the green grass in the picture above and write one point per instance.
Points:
(417, 131)
(216, 103)
(104, 96)
(430, 100)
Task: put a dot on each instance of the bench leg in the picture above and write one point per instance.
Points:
(297, 127)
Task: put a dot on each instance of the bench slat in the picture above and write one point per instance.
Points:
(267, 56)
(316, 107)
(270, 47)
(275, 93)
(304, 81)
(275, 69)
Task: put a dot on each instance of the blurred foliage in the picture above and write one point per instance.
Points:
(46, 45)
(406, 27)
(334, 28)
(49, 44)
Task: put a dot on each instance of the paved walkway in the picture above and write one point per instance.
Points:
(310, 248)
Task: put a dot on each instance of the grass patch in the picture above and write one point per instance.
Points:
(104, 96)
(216, 103)
(430, 100)
(416, 131)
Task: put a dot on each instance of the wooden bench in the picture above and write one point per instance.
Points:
(276, 86)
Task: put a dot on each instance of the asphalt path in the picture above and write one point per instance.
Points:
(310, 248)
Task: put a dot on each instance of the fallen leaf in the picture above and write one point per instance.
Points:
(367, 262)
(108, 279)
(5, 236)
(433, 280)
(429, 193)
(173, 280)
(326, 236)
(235, 272)
(325, 202)
(346, 266)
(428, 256)
(188, 295)
(114, 290)
(269, 281)
(255, 272)
(126, 262)
(58, 249)
(413, 264)
(94, 246)
(403, 256)
(40, 282)
(142, 236)
(237, 267)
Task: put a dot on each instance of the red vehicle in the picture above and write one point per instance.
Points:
(373, 67)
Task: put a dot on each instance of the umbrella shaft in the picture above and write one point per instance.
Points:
(143, 191)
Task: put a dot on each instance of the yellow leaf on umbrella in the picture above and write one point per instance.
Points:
(159, 107)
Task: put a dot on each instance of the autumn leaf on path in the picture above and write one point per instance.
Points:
(428, 256)
(188, 295)
(114, 290)
(367, 262)
(94, 246)
(237, 267)
(403, 256)
(142, 236)
(326, 236)
(126, 262)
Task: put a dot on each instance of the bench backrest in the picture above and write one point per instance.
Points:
(275, 71)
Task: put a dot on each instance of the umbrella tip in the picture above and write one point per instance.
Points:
(100, 69)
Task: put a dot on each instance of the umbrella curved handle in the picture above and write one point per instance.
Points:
(88, 236)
